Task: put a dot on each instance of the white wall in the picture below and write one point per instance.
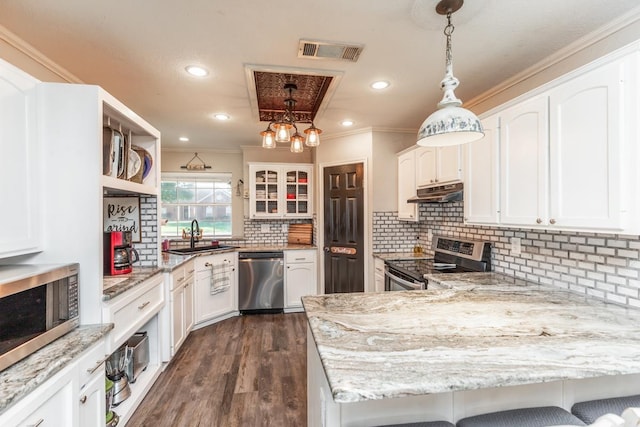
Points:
(385, 167)
(228, 162)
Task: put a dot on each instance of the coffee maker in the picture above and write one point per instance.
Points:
(119, 254)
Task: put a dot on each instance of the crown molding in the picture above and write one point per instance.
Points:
(37, 56)
(199, 150)
(579, 45)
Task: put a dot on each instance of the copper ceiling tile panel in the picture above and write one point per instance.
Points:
(271, 94)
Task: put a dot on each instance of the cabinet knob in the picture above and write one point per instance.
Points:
(539, 221)
(552, 221)
(83, 399)
(431, 181)
(436, 180)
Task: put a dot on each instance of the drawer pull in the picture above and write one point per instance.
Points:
(207, 264)
(300, 259)
(83, 399)
(191, 271)
(98, 364)
(180, 279)
(39, 422)
(143, 305)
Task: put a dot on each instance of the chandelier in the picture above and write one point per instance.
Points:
(450, 124)
(280, 130)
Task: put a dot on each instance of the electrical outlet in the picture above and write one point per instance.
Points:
(285, 228)
(516, 247)
(264, 228)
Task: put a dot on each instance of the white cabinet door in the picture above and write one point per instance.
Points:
(523, 163)
(407, 186)
(280, 190)
(449, 164)
(297, 191)
(301, 281)
(426, 166)
(586, 133)
(210, 302)
(92, 401)
(19, 164)
(301, 276)
(188, 318)
(56, 407)
(481, 201)
(177, 318)
(378, 265)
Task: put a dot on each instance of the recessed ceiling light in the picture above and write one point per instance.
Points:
(184, 139)
(347, 122)
(380, 84)
(197, 71)
(221, 116)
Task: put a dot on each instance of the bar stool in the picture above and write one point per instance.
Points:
(590, 410)
(423, 424)
(525, 417)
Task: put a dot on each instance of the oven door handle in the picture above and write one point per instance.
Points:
(412, 285)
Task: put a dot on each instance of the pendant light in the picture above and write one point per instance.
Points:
(450, 124)
(282, 128)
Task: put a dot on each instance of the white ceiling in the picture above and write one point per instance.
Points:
(137, 50)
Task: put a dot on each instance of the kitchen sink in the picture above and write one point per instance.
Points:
(198, 249)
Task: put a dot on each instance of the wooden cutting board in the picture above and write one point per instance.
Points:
(300, 234)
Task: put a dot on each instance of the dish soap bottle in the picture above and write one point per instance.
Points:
(417, 249)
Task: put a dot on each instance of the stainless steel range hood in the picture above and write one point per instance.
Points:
(439, 194)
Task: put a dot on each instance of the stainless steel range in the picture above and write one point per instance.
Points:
(450, 256)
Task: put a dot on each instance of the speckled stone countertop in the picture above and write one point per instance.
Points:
(469, 281)
(112, 286)
(490, 334)
(388, 256)
(25, 376)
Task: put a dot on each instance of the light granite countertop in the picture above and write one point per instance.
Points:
(20, 379)
(112, 286)
(388, 256)
(487, 331)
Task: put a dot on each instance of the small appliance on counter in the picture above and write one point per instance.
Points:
(112, 418)
(139, 359)
(119, 254)
(38, 304)
(115, 367)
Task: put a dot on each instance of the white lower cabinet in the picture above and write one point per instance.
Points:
(180, 284)
(73, 397)
(92, 400)
(378, 274)
(300, 277)
(216, 289)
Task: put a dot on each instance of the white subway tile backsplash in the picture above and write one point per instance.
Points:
(602, 266)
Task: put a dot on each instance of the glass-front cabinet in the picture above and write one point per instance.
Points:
(280, 190)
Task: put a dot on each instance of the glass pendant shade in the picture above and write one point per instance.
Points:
(268, 139)
(282, 132)
(313, 136)
(297, 146)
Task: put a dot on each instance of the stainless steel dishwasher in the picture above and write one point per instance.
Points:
(261, 282)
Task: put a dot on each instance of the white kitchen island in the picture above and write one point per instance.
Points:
(489, 343)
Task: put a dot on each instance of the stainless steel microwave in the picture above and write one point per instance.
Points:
(38, 304)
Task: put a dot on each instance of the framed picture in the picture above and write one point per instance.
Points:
(122, 214)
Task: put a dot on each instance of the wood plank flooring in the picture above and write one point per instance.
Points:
(245, 371)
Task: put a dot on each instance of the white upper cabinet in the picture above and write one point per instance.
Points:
(523, 163)
(280, 190)
(566, 154)
(586, 136)
(20, 164)
(407, 185)
(437, 165)
(481, 166)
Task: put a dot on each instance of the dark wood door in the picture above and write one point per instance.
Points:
(343, 229)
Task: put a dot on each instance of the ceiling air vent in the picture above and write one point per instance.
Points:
(326, 50)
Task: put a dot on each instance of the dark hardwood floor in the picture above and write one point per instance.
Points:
(245, 371)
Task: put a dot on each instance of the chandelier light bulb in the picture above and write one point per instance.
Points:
(268, 139)
(296, 143)
(313, 136)
(282, 132)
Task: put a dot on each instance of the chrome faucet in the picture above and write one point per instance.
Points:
(192, 242)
